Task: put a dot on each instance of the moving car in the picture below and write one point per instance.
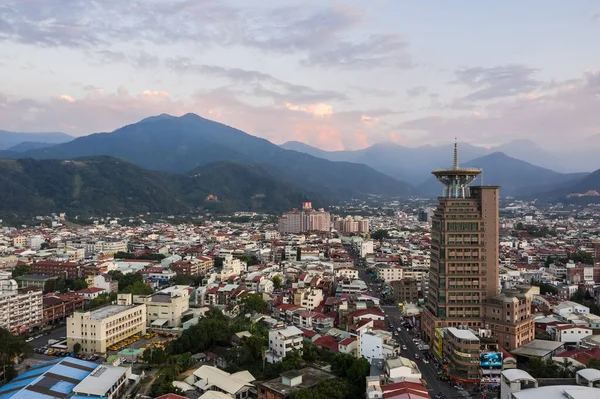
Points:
(404, 347)
(417, 357)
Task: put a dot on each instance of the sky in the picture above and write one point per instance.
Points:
(339, 74)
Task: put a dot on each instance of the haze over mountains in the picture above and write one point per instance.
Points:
(8, 140)
(167, 163)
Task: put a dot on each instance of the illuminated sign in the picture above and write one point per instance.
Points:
(491, 359)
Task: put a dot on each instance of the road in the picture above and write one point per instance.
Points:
(428, 370)
(54, 334)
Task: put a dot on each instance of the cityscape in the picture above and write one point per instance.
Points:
(299, 199)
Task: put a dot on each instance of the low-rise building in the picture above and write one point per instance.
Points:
(165, 308)
(284, 386)
(69, 377)
(57, 307)
(208, 378)
(98, 329)
(34, 280)
(282, 341)
(398, 369)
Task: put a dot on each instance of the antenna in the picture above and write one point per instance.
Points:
(481, 177)
(455, 153)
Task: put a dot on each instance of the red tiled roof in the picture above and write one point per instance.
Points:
(582, 356)
(347, 341)
(327, 342)
(308, 333)
(91, 290)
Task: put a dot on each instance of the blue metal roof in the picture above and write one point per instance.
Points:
(57, 376)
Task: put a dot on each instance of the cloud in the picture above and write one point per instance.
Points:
(554, 117)
(67, 98)
(320, 110)
(497, 82)
(319, 34)
(416, 91)
(377, 51)
(257, 83)
(371, 92)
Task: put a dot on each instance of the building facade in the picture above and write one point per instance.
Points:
(405, 290)
(96, 330)
(66, 270)
(508, 317)
(20, 308)
(282, 341)
(464, 252)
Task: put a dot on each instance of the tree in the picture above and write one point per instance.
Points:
(103, 299)
(11, 347)
(276, 282)
(77, 347)
(44, 245)
(154, 355)
(594, 364)
(336, 388)
(138, 288)
(253, 303)
(582, 256)
(125, 280)
(380, 235)
(20, 270)
(77, 284)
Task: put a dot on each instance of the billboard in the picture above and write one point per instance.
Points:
(491, 359)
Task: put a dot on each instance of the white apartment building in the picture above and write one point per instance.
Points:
(376, 345)
(165, 308)
(389, 272)
(20, 308)
(283, 341)
(97, 329)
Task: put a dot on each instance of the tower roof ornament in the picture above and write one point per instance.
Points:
(455, 154)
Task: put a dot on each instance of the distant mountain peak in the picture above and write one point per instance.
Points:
(157, 118)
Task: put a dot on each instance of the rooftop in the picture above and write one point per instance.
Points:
(53, 379)
(108, 311)
(310, 377)
(558, 392)
(462, 334)
(100, 381)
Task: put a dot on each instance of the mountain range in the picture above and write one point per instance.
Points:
(166, 163)
(100, 185)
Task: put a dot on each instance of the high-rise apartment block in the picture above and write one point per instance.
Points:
(20, 308)
(305, 220)
(349, 224)
(464, 252)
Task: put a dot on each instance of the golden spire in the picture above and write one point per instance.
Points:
(455, 154)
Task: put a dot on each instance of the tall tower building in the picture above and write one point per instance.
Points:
(464, 252)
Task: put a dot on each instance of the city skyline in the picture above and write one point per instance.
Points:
(336, 74)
